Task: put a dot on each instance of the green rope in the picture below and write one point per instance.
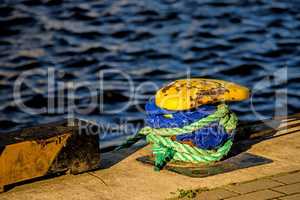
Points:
(166, 149)
(186, 153)
(162, 156)
(223, 115)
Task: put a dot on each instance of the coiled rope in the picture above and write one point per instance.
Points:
(226, 118)
(165, 149)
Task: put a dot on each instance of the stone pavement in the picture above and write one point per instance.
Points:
(282, 186)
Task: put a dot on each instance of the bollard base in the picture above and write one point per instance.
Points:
(243, 160)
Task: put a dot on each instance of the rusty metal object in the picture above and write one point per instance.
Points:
(243, 160)
(44, 150)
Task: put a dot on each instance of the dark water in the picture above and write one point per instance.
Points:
(255, 43)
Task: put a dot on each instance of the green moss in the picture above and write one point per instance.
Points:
(188, 194)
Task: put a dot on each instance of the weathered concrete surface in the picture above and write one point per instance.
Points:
(130, 179)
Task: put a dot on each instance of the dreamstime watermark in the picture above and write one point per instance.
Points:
(63, 98)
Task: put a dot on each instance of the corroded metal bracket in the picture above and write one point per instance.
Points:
(44, 150)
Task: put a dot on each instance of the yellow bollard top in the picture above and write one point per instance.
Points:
(191, 93)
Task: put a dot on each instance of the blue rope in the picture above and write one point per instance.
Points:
(211, 136)
(208, 137)
(161, 118)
